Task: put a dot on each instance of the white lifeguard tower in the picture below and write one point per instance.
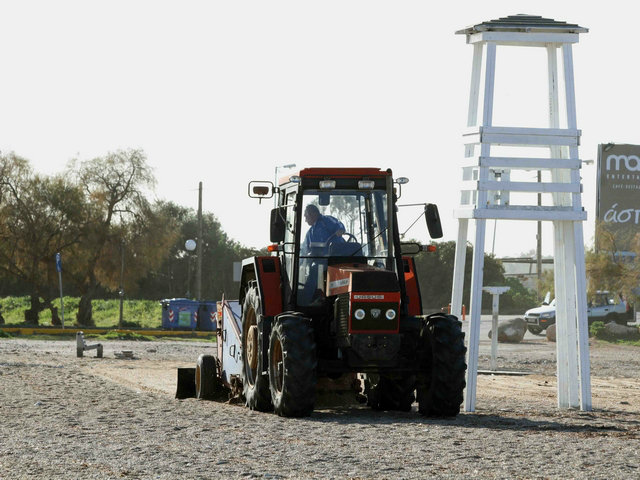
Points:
(487, 184)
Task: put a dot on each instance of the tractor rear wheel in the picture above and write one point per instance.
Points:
(255, 385)
(390, 392)
(292, 366)
(206, 377)
(441, 383)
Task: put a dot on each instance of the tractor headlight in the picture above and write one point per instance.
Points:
(391, 314)
(359, 314)
(327, 184)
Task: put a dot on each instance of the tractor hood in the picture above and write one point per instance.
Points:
(358, 277)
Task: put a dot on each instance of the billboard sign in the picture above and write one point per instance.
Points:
(618, 194)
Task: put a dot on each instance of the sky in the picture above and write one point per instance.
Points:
(227, 92)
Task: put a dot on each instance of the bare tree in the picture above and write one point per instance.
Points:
(115, 187)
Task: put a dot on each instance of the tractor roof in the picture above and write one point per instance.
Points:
(344, 172)
(328, 173)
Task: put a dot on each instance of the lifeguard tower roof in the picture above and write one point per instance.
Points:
(523, 23)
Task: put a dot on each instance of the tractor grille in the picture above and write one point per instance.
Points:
(341, 314)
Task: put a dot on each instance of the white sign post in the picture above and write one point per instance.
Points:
(495, 306)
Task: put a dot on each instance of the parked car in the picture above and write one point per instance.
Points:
(602, 307)
(539, 318)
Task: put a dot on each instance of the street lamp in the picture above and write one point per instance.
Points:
(275, 183)
(190, 245)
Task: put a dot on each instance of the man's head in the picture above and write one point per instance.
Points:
(311, 214)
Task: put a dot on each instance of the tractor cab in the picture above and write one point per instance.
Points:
(330, 222)
(327, 217)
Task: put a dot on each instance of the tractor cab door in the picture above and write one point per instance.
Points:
(288, 252)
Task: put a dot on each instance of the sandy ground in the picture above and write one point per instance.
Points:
(68, 417)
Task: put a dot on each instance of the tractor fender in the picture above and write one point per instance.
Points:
(265, 271)
(413, 297)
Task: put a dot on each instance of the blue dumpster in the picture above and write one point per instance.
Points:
(185, 314)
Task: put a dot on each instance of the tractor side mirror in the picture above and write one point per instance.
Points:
(278, 224)
(261, 189)
(433, 220)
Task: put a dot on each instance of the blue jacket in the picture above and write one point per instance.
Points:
(321, 231)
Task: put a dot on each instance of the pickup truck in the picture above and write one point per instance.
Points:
(602, 307)
(607, 308)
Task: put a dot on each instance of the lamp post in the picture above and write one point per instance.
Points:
(275, 178)
(190, 246)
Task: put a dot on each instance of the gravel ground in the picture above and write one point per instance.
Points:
(68, 417)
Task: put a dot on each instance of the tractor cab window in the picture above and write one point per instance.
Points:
(341, 223)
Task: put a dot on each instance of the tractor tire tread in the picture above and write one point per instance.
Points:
(297, 397)
(257, 396)
(441, 384)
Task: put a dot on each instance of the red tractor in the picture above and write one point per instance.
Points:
(337, 297)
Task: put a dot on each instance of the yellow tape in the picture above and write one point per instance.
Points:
(74, 330)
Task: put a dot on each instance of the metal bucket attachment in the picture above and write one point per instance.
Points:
(186, 383)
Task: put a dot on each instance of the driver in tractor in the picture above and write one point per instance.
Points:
(323, 230)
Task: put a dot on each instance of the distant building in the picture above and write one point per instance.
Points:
(525, 269)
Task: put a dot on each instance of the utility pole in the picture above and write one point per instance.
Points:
(121, 289)
(199, 252)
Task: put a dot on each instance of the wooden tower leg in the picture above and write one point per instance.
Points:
(476, 310)
(458, 267)
(582, 324)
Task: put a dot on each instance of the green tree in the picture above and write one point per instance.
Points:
(435, 275)
(219, 253)
(39, 216)
(606, 268)
(547, 284)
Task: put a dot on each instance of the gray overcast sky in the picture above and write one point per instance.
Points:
(223, 92)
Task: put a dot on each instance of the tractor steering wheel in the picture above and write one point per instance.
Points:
(351, 237)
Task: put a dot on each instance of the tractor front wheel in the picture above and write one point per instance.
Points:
(441, 383)
(255, 385)
(292, 366)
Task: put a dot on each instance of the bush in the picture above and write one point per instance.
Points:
(4, 334)
(601, 332)
(596, 329)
